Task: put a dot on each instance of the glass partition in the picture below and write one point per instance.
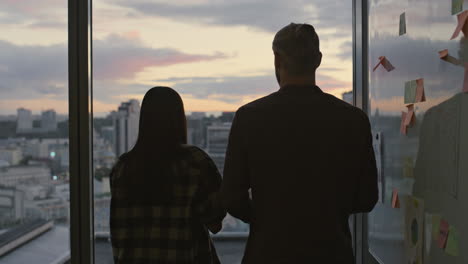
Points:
(217, 55)
(419, 111)
(34, 156)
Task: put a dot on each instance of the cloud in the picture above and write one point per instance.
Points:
(233, 88)
(32, 13)
(266, 15)
(34, 71)
(122, 57)
(346, 50)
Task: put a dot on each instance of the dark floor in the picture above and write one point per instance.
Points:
(229, 251)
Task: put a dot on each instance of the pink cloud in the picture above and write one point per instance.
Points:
(123, 56)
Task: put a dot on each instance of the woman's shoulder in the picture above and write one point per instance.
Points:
(195, 152)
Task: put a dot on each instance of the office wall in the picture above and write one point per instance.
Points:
(426, 169)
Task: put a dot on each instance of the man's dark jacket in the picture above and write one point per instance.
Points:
(308, 159)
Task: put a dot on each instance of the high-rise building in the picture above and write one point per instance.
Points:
(126, 120)
(24, 122)
(348, 97)
(217, 140)
(49, 121)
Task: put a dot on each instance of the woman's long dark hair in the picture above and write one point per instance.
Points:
(162, 131)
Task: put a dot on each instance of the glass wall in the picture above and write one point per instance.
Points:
(217, 55)
(418, 104)
(34, 156)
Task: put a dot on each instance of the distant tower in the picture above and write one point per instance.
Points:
(217, 140)
(126, 121)
(25, 121)
(49, 121)
(348, 97)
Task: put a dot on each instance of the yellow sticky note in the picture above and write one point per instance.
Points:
(452, 242)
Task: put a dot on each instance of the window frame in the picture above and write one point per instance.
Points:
(81, 125)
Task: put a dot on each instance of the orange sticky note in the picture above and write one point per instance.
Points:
(444, 55)
(443, 234)
(420, 94)
(410, 116)
(395, 199)
(385, 63)
(462, 17)
(465, 82)
(403, 127)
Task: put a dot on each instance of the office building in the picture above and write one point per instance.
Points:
(348, 97)
(126, 120)
(49, 121)
(12, 155)
(25, 175)
(24, 121)
(11, 204)
(217, 137)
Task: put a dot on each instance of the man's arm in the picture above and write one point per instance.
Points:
(367, 193)
(235, 186)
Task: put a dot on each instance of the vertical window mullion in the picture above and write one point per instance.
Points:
(80, 111)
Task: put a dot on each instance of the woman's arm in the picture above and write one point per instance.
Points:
(208, 209)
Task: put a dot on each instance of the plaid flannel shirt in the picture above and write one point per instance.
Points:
(172, 233)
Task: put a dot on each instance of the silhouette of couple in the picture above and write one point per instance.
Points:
(299, 162)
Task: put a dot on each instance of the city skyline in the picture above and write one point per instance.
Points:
(215, 53)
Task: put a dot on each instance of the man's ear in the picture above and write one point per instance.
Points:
(319, 59)
(277, 61)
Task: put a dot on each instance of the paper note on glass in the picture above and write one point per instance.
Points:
(410, 116)
(420, 94)
(402, 24)
(444, 55)
(436, 226)
(443, 234)
(395, 199)
(452, 242)
(457, 6)
(414, 226)
(414, 91)
(403, 127)
(461, 24)
(385, 63)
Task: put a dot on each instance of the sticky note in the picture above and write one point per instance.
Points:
(410, 116)
(443, 234)
(452, 242)
(385, 63)
(444, 55)
(420, 94)
(435, 226)
(465, 82)
(395, 199)
(414, 91)
(457, 6)
(402, 24)
(408, 167)
(461, 24)
(403, 127)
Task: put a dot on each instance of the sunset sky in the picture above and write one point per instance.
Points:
(215, 53)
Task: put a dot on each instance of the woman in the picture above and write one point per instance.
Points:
(163, 191)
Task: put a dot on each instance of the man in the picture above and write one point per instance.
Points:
(299, 163)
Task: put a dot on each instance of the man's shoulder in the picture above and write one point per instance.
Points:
(346, 109)
(259, 103)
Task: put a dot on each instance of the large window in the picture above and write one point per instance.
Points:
(217, 55)
(34, 152)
